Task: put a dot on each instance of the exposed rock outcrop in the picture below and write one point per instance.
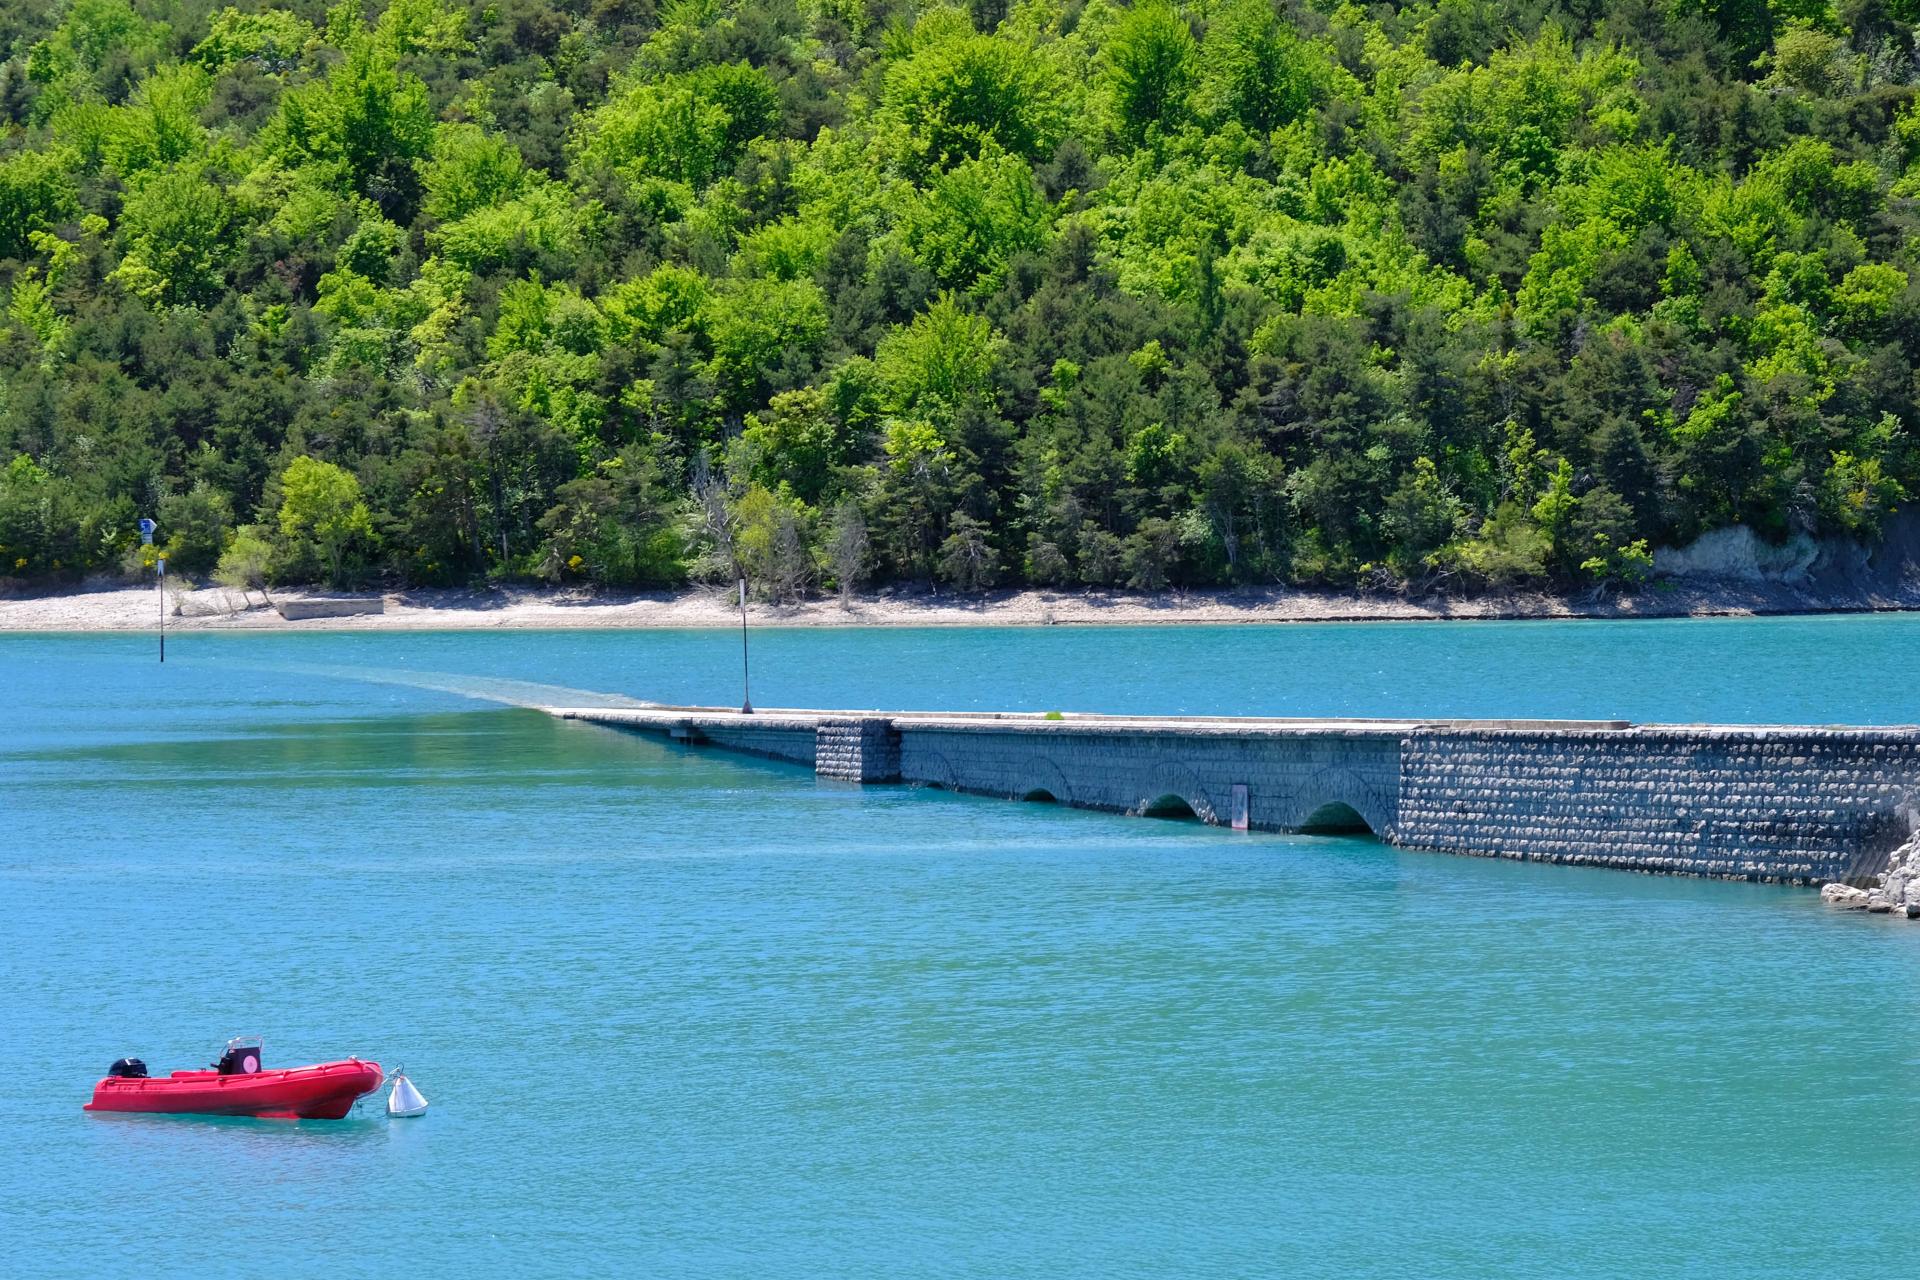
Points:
(1831, 566)
(1899, 889)
(1844, 896)
(1737, 554)
(1896, 892)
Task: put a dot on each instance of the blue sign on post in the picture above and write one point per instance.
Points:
(146, 531)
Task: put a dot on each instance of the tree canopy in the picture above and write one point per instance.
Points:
(1064, 292)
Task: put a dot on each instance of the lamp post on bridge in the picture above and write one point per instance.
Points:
(160, 576)
(746, 694)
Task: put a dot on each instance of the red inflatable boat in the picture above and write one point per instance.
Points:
(236, 1086)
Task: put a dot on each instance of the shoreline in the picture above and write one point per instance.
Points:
(118, 608)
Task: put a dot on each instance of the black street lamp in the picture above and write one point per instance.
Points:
(746, 695)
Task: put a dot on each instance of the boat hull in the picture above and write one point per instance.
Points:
(323, 1092)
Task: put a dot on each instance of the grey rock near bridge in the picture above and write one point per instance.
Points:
(1805, 805)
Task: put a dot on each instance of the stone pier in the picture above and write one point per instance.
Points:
(1808, 805)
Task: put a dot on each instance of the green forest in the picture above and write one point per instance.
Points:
(836, 293)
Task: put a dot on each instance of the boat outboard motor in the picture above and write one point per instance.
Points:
(128, 1069)
(240, 1059)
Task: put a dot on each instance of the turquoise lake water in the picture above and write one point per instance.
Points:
(686, 1015)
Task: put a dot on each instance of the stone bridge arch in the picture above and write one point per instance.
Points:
(1176, 782)
(931, 769)
(1042, 779)
(1331, 799)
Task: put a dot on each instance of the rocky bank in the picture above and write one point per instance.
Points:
(1897, 891)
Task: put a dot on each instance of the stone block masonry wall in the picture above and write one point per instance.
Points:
(864, 750)
(1796, 804)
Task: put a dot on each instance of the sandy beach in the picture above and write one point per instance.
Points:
(113, 607)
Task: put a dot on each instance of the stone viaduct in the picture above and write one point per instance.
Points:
(1798, 804)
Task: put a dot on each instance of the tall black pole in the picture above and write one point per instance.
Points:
(746, 692)
(163, 608)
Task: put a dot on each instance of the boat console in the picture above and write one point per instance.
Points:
(242, 1057)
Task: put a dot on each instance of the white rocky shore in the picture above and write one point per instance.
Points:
(1727, 573)
(1897, 892)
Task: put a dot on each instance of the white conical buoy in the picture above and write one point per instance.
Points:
(405, 1100)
